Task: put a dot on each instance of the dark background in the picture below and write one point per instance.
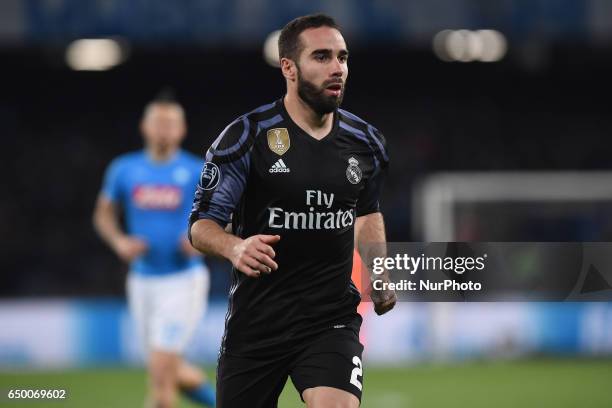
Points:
(539, 108)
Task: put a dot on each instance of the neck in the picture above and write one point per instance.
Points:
(316, 125)
(160, 154)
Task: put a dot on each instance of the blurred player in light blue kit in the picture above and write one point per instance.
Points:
(168, 281)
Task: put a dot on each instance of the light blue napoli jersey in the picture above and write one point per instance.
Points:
(156, 199)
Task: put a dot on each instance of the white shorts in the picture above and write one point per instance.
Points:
(167, 309)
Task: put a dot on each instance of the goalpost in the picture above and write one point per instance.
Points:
(436, 198)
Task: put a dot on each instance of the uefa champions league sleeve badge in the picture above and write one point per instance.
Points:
(209, 179)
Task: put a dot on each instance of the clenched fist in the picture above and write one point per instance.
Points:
(254, 255)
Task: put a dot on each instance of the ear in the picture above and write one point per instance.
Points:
(288, 68)
(183, 130)
(142, 126)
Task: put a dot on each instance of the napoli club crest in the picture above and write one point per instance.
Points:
(210, 176)
(353, 172)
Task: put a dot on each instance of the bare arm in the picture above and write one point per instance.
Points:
(251, 256)
(106, 224)
(220, 188)
(106, 220)
(369, 230)
(370, 241)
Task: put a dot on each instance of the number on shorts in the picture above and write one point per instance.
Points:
(357, 372)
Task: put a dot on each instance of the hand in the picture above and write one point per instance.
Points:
(129, 248)
(187, 249)
(384, 300)
(254, 255)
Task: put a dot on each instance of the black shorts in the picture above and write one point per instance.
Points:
(332, 359)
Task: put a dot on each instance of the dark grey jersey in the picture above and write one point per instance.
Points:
(270, 177)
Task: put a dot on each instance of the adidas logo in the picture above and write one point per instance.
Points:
(279, 167)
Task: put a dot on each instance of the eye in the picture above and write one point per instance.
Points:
(343, 58)
(320, 57)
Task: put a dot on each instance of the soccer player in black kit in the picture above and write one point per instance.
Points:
(300, 180)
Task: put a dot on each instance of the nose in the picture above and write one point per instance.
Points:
(337, 68)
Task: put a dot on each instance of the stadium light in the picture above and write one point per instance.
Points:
(94, 54)
(270, 49)
(467, 45)
(439, 45)
(494, 45)
(462, 45)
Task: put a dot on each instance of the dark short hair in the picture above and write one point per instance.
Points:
(165, 97)
(289, 45)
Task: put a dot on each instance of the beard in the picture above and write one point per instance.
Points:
(315, 96)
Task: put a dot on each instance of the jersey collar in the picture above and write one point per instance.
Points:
(281, 107)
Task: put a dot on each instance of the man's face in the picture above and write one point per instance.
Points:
(322, 69)
(163, 126)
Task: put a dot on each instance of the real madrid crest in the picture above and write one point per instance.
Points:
(353, 172)
(278, 140)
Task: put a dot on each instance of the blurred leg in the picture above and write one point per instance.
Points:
(179, 304)
(192, 382)
(189, 376)
(163, 379)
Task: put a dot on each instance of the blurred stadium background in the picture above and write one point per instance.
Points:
(524, 104)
